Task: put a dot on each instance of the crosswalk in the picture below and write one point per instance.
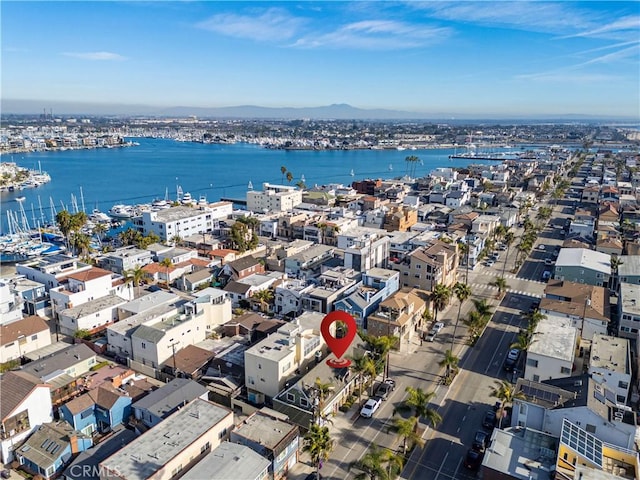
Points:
(509, 290)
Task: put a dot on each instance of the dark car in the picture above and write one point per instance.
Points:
(489, 420)
(480, 440)
(385, 388)
(473, 459)
(313, 476)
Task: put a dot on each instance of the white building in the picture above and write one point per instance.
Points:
(50, 270)
(269, 363)
(273, 198)
(182, 221)
(23, 336)
(365, 248)
(174, 445)
(610, 365)
(124, 259)
(552, 351)
(629, 311)
(92, 316)
(10, 310)
(26, 404)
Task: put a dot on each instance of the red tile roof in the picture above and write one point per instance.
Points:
(91, 274)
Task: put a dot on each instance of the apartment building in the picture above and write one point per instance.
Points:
(50, 270)
(364, 248)
(428, 266)
(629, 311)
(274, 198)
(181, 221)
(552, 351)
(581, 265)
(126, 258)
(610, 366)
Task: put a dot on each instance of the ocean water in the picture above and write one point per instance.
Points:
(140, 174)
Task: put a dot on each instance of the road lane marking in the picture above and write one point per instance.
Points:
(442, 465)
(504, 332)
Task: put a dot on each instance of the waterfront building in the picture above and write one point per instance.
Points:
(274, 198)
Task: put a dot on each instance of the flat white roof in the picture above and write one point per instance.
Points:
(610, 353)
(555, 340)
(630, 298)
(582, 257)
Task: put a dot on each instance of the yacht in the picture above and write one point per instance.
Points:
(160, 204)
(99, 217)
(390, 167)
(121, 211)
(202, 201)
(187, 199)
(352, 173)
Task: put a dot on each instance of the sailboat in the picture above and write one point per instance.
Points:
(352, 172)
(250, 186)
(391, 167)
(302, 179)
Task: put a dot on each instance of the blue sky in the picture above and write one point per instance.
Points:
(467, 58)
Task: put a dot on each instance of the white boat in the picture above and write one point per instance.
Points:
(202, 201)
(390, 167)
(302, 179)
(187, 199)
(99, 217)
(400, 148)
(160, 204)
(352, 173)
(250, 186)
(121, 211)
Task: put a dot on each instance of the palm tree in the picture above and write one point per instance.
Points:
(373, 465)
(463, 249)
(483, 308)
(380, 348)
(99, 230)
(176, 240)
(65, 224)
(440, 297)
(81, 243)
(505, 392)
(533, 319)
(135, 276)
(450, 361)
(407, 431)
(417, 402)
(462, 292)
(283, 170)
(289, 176)
(167, 263)
(502, 285)
(509, 237)
(363, 366)
(319, 444)
(615, 262)
(265, 297)
(322, 390)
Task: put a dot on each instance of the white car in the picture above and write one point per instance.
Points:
(369, 408)
(438, 326)
(540, 247)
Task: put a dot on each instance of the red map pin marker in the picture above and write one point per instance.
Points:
(338, 346)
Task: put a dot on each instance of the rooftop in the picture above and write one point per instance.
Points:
(554, 339)
(50, 367)
(265, 429)
(25, 327)
(15, 387)
(154, 313)
(582, 257)
(48, 442)
(90, 274)
(229, 460)
(177, 392)
(630, 266)
(177, 213)
(146, 302)
(154, 449)
(629, 298)
(610, 353)
(93, 306)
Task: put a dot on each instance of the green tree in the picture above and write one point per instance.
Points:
(463, 249)
(378, 464)
(265, 297)
(417, 402)
(176, 240)
(363, 366)
(283, 170)
(380, 347)
(323, 390)
(319, 444)
(82, 333)
(407, 430)
(135, 276)
(440, 297)
(462, 292)
(505, 392)
(450, 361)
(615, 263)
(81, 243)
(167, 263)
(289, 176)
(99, 230)
(509, 237)
(483, 308)
(502, 285)
(65, 224)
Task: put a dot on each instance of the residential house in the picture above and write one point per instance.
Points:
(428, 266)
(26, 404)
(173, 446)
(629, 311)
(240, 268)
(510, 455)
(583, 266)
(306, 264)
(578, 446)
(182, 221)
(629, 269)
(145, 303)
(50, 448)
(271, 436)
(271, 362)
(585, 306)
(22, 337)
(377, 285)
(166, 400)
(50, 270)
(552, 351)
(364, 248)
(98, 411)
(400, 316)
(590, 194)
(457, 198)
(190, 362)
(610, 366)
(400, 218)
(63, 370)
(331, 285)
(288, 296)
(230, 460)
(198, 279)
(124, 259)
(93, 316)
(33, 296)
(485, 224)
(304, 404)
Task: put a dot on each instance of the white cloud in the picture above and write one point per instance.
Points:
(109, 56)
(569, 77)
(376, 35)
(274, 24)
(625, 28)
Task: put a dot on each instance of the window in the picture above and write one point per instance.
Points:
(558, 269)
(34, 337)
(86, 413)
(252, 381)
(259, 366)
(291, 397)
(623, 385)
(620, 399)
(536, 378)
(532, 362)
(565, 370)
(144, 345)
(9, 344)
(304, 402)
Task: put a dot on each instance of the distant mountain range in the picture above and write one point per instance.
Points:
(340, 111)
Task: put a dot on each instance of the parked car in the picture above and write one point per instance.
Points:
(369, 408)
(480, 440)
(546, 275)
(489, 420)
(490, 263)
(548, 261)
(385, 388)
(438, 326)
(431, 336)
(512, 359)
(473, 459)
(541, 247)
